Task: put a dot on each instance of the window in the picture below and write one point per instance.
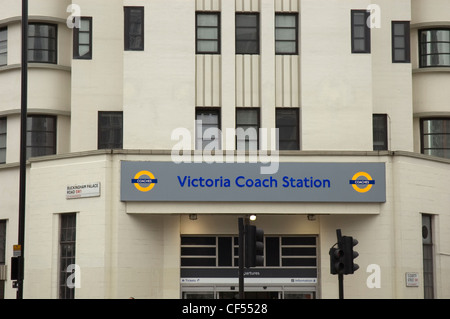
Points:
(67, 239)
(434, 47)
(223, 251)
(286, 33)
(287, 123)
(427, 245)
(207, 129)
(247, 33)
(380, 132)
(2, 140)
(134, 28)
(436, 137)
(110, 130)
(360, 31)
(247, 129)
(41, 135)
(3, 46)
(400, 42)
(42, 43)
(82, 39)
(208, 33)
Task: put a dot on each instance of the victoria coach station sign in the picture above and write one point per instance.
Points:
(243, 182)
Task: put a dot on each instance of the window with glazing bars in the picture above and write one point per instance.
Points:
(82, 39)
(286, 33)
(3, 46)
(434, 48)
(380, 132)
(360, 31)
(400, 42)
(110, 130)
(67, 241)
(247, 129)
(3, 140)
(247, 33)
(436, 137)
(207, 129)
(41, 135)
(287, 123)
(42, 43)
(134, 28)
(208, 33)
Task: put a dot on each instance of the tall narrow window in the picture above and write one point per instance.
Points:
(434, 48)
(400, 42)
(287, 123)
(41, 135)
(360, 31)
(67, 240)
(286, 33)
(110, 130)
(82, 39)
(134, 28)
(247, 33)
(427, 244)
(3, 46)
(208, 33)
(42, 43)
(436, 137)
(380, 132)
(2, 140)
(207, 129)
(247, 129)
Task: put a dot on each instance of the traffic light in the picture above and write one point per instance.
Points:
(337, 264)
(254, 246)
(349, 254)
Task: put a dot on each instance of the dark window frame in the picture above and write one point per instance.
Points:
(367, 35)
(218, 27)
(385, 145)
(5, 136)
(76, 42)
(67, 244)
(407, 41)
(30, 147)
(258, 33)
(5, 29)
(257, 125)
(421, 43)
(422, 134)
(106, 131)
(127, 27)
(297, 120)
(219, 124)
(49, 61)
(296, 28)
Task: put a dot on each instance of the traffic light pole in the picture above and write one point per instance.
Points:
(340, 275)
(23, 132)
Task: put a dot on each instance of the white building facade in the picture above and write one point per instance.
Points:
(154, 125)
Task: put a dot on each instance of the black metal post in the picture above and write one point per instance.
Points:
(23, 136)
(241, 258)
(340, 275)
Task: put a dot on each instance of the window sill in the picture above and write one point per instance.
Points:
(32, 65)
(432, 69)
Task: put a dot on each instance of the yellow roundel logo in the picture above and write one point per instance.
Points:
(362, 185)
(144, 181)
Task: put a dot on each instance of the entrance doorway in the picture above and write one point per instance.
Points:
(250, 293)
